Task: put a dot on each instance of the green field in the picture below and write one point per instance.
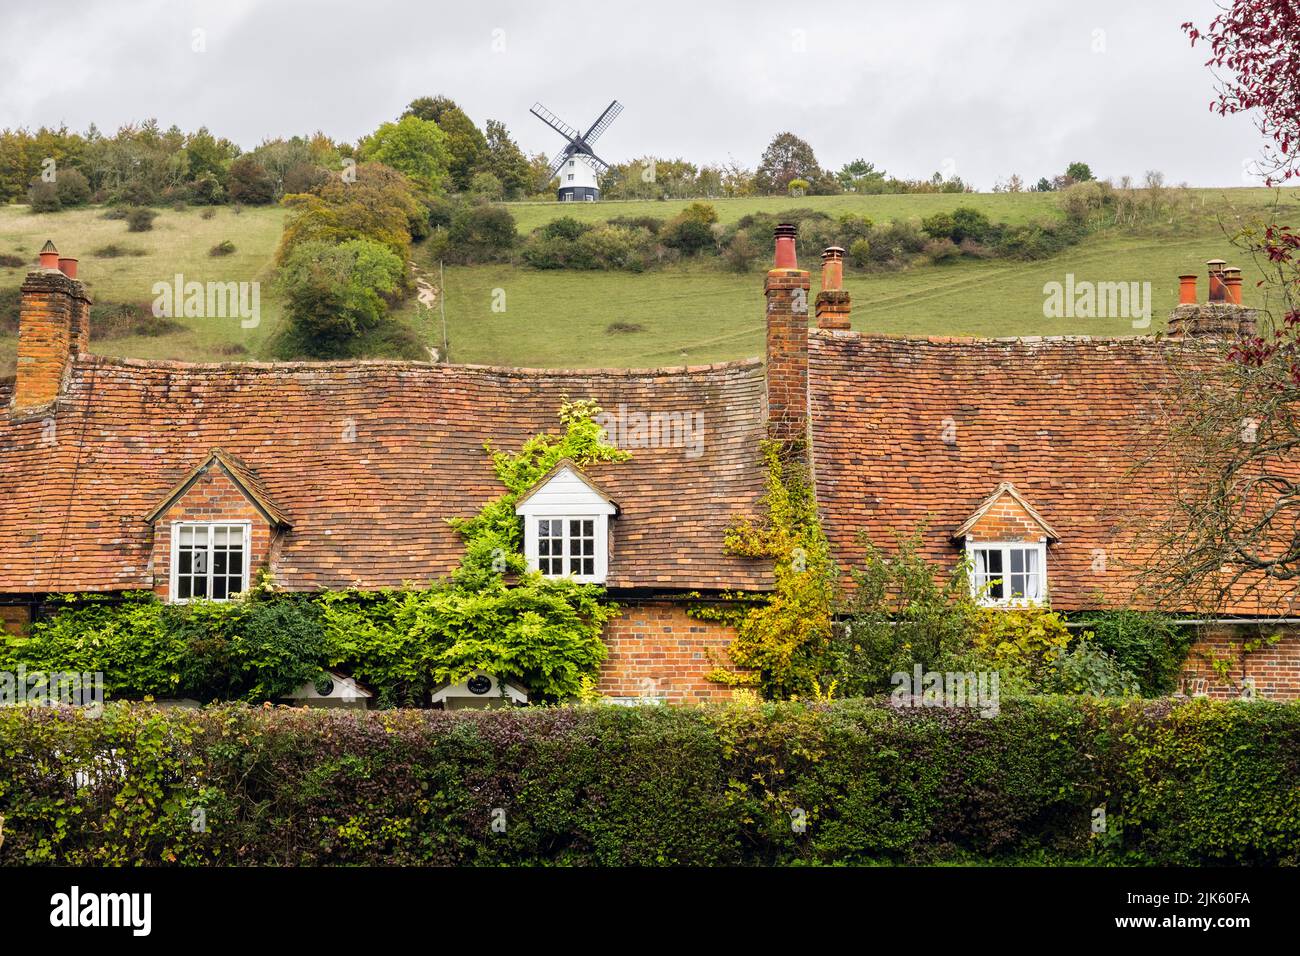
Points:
(686, 314)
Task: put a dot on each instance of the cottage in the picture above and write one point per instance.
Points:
(122, 474)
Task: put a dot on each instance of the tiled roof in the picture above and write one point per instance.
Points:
(369, 459)
(907, 431)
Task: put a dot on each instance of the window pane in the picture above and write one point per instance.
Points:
(200, 587)
(1017, 560)
(200, 562)
(183, 587)
(219, 562)
(219, 588)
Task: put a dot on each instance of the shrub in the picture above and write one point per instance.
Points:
(115, 320)
(140, 219)
(651, 224)
(860, 253)
(73, 188)
(1148, 644)
(114, 251)
(43, 197)
(487, 186)
(250, 182)
(1189, 784)
(223, 248)
(689, 236)
(8, 261)
(480, 233)
(206, 190)
(565, 227)
(939, 251)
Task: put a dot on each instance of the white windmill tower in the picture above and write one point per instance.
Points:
(577, 166)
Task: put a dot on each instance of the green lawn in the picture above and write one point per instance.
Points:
(687, 314)
(178, 242)
(695, 315)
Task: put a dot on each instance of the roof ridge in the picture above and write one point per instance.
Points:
(854, 336)
(414, 365)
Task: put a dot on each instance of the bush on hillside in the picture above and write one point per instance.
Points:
(140, 219)
(480, 233)
(334, 293)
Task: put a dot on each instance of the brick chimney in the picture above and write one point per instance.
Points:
(53, 327)
(786, 289)
(833, 304)
(1222, 317)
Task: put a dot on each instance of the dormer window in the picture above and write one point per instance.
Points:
(1006, 540)
(566, 525)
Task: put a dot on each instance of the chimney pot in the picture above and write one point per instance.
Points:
(1218, 291)
(1187, 289)
(832, 268)
(49, 255)
(68, 266)
(1232, 280)
(785, 252)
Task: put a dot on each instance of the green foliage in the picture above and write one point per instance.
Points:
(412, 146)
(140, 219)
(333, 293)
(1188, 784)
(380, 205)
(903, 611)
(544, 633)
(1024, 641)
(785, 639)
(480, 233)
(1148, 644)
(1087, 668)
(244, 649)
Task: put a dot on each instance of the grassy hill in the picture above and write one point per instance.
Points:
(683, 314)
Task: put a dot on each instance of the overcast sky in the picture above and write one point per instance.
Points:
(979, 89)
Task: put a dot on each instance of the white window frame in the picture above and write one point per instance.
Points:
(600, 531)
(174, 585)
(1039, 547)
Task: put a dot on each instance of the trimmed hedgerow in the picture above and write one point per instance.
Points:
(850, 782)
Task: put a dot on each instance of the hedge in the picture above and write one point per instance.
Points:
(1182, 783)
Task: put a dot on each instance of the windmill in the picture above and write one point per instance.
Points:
(576, 165)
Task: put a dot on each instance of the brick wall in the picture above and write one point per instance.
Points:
(1274, 668)
(212, 497)
(1006, 520)
(656, 651)
(15, 618)
(787, 353)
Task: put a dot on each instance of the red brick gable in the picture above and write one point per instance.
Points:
(212, 496)
(1005, 516)
(370, 459)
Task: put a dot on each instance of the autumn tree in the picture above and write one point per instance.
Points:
(1255, 55)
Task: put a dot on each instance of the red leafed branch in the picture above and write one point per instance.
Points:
(1255, 53)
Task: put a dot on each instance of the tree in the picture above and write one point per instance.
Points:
(787, 157)
(249, 182)
(466, 147)
(335, 292)
(860, 176)
(413, 146)
(1258, 43)
(379, 205)
(1044, 185)
(506, 161)
(1078, 172)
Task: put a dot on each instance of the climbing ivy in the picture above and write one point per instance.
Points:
(782, 642)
